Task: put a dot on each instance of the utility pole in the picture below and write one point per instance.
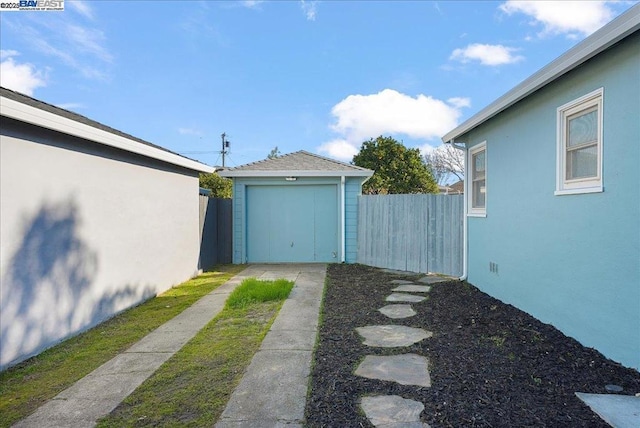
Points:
(225, 147)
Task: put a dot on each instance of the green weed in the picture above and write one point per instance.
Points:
(252, 290)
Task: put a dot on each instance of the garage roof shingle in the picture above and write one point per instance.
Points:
(300, 163)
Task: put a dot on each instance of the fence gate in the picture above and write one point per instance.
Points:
(417, 233)
(215, 232)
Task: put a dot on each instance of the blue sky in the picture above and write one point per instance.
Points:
(321, 76)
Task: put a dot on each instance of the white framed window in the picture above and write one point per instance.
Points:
(579, 141)
(478, 180)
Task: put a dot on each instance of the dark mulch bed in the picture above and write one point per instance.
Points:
(491, 364)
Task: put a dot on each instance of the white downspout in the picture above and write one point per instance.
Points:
(465, 243)
(343, 241)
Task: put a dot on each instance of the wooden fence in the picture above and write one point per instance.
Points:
(215, 232)
(418, 233)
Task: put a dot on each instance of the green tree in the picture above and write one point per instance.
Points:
(397, 168)
(220, 187)
(274, 153)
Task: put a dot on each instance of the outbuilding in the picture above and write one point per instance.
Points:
(92, 222)
(298, 207)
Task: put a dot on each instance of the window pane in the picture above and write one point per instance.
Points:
(478, 194)
(583, 128)
(478, 165)
(582, 163)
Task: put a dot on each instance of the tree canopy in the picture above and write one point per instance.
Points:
(274, 153)
(397, 168)
(220, 187)
(445, 162)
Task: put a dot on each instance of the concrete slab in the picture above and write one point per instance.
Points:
(290, 319)
(405, 369)
(72, 413)
(273, 391)
(258, 424)
(109, 387)
(398, 311)
(399, 272)
(160, 341)
(620, 411)
(409, 288)
(289, 340)
(392, 336)
(401, 281)
(392, 411)
(273, 388)
(435, 279)
(403, 297)
(131, 363)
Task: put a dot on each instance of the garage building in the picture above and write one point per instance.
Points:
(299, 207)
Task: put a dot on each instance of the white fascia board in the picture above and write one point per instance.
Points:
(610, 34)
(29, 114)
(293, 173)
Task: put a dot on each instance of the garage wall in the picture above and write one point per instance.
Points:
(352, 190)
(86, 231)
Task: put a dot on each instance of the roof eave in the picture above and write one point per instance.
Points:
(35, 116)
(598, 42)
(294, 173)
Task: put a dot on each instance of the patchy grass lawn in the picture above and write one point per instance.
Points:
(193, 387)
(253, 290)
(30, 384)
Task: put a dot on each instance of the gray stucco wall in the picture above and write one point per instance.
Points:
(86, 231)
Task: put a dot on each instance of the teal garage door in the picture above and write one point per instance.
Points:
(292, 223)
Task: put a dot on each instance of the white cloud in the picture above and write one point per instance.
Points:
(89, 40)
(389, 112)
(339, 149)
(309, 9)
(4, 53)
(459, 102)
(24, 78)
(251, 4)
(486, 54)
(563, 17)
(61, 36)
(82, 7)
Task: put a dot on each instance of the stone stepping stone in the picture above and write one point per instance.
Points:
(405, 369)
(392, 411)
(411, 288)
(392, 336)
(401, 281)
(436, 279)
(403, 297)
(398, 311)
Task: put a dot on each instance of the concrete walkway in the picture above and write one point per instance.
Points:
(273, 391)
(285, 352)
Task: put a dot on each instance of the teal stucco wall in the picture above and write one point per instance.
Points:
(571, 260)
(352, 188)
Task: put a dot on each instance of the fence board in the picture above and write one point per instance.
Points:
(215, 232)
(419, 233)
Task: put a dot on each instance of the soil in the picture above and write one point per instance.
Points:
(491, 364)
